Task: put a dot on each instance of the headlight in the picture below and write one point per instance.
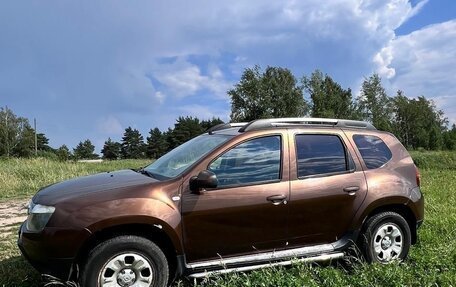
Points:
(39, 216)
(415, 194)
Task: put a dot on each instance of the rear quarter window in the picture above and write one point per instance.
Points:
(374, 151)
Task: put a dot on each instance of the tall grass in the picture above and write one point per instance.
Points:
(442, 160)
(21, 178)
(431, 262)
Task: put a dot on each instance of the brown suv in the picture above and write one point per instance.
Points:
(239, 197)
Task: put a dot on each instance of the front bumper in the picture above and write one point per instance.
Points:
(51, 251)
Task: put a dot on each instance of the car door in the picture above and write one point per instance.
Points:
(247, 211)
(326, 189)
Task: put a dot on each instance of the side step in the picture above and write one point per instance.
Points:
(318, 258)
(314, 253)
(264, 257)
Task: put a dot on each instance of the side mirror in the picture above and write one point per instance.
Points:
(205, 179)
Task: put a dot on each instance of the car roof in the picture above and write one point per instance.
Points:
(275, 123)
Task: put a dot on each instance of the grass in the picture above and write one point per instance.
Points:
(442, 160)
(20, 178)
(431, 262)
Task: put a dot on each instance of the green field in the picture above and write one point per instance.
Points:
(21, 178)
(432, 262)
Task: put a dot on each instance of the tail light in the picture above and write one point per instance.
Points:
(418, 176)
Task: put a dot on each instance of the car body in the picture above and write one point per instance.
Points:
(239, 197)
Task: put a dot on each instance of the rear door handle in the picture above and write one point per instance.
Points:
(351, 189)
(277, 199)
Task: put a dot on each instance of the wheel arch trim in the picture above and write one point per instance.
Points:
(142, 223)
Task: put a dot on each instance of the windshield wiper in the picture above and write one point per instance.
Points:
(146, 172)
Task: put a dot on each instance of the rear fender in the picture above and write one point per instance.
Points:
(365, 211)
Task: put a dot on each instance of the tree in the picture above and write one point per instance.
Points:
(417, 122)
(185, 129)
(111, 150)
(156, 144)
(374, 104)
(42, 142)
(85, 150)
(25, 147)
(428, 124)
(63, 153)
(273, 93)
(16, 135)
(132, 144)
(329, 99)
(449, 138)
(435, 138)
(168, 136)
(403, 119)
(207, 124)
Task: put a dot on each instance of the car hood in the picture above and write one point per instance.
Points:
(91, 184)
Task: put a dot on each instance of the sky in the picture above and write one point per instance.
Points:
(89, 69)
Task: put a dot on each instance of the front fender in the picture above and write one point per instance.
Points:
(127, 211)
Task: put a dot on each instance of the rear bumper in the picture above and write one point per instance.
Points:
(416, 204)
(50, 251)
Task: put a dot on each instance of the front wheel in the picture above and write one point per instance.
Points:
(386, 238)
(126, 261)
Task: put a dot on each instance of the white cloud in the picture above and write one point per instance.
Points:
(383, 59)
(160, 97)
(106, 58)
(448, 104)
(92, 49)
(135, 88)
(415, 10)
(110, 126)
(423, 63)
(182, 78)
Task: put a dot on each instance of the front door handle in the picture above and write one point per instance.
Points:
(351, 189)
(277, 199)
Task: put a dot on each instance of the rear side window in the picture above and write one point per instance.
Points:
(374, 151)
(320, 154)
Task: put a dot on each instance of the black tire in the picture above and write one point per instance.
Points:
(111, 248)
(387, 221)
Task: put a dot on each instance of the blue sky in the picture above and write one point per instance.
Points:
(89, 69)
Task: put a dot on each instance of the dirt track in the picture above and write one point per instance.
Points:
(12, 213)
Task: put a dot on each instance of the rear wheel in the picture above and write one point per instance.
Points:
(126, 261)
(386, 238)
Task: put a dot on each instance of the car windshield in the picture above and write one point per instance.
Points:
(176, 161)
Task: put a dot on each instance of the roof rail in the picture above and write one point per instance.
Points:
(225, 126)
(268, 123)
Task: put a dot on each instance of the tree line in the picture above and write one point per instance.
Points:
(276, 92)
(271, 93)
(157, 143)
(17, 139)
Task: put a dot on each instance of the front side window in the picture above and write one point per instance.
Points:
(254, 161)
(321, 154)
(374, 151)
